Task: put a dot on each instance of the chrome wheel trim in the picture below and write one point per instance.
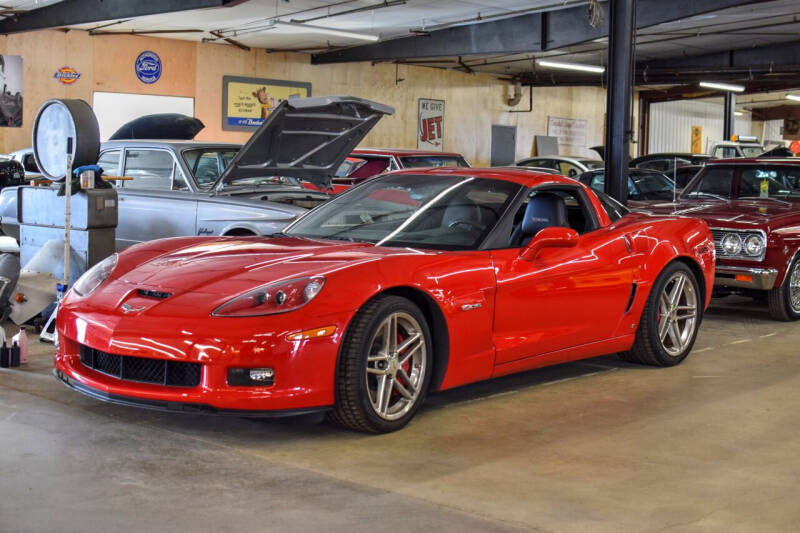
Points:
(396, 366)
(677, 316)
(794, 288)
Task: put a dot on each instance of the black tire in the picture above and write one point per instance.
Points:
(353, 408)
(779, 299)
(648, 348)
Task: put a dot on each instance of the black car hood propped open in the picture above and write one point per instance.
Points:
(306, 138)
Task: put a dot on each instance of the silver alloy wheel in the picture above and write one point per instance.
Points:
(677, 317)
(396, 365)
(794, 287)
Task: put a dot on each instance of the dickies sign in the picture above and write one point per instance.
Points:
(431, 124)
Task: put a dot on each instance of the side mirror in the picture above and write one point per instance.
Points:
(553, 237)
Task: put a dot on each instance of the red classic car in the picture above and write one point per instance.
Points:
(753, 209)
(413, 282)
(365, 163)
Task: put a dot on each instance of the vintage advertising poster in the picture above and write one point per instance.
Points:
(571, 131)
(11, 97)
(430, 134)
(246, 102)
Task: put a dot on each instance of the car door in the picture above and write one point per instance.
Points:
(565, 297)
(156, 202)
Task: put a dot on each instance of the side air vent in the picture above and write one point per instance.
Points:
(159, 295)
(631, 298)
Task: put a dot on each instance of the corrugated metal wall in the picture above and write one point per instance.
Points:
(773, 130)
(671, 124)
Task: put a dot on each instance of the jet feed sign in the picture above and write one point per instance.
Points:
(430, 135)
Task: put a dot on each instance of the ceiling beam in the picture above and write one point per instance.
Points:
(72, 12)
(533, 32)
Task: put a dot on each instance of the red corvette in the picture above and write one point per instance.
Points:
(413, 282)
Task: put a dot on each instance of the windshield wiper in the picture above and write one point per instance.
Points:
(709, 195)
(786, 202)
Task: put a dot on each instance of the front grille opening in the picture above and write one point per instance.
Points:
(142, 369)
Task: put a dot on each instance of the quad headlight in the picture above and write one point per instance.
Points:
(92, 278)
(746, 245)
(731, 244)
(754, 245)
(280, 297)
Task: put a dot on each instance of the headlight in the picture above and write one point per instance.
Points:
(731, 244)
(92, 278)
(280, 297)
(753, 245)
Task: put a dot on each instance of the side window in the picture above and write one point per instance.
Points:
(150, 169)
(568, 169)
(545, 213)
(109, 162)
(614, 209)
(29, 162)
(179, 181)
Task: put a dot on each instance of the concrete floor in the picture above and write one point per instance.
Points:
(599, 445)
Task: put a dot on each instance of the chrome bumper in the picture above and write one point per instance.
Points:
(762, 279)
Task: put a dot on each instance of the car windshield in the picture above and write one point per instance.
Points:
(754, 181)
(592, 164)
(752, 151)
(652, 183)
(206, 164)
(437, 212)
(419, 161)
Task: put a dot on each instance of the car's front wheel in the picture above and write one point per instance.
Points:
(784, 301)
(384, 366)
(668, 326)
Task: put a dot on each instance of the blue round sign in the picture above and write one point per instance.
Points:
(148, 67)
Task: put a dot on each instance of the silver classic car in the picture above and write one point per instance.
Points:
(181, 188)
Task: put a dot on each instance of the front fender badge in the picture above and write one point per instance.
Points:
(307, 334)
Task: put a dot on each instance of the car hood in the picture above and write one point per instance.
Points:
(738, 212)
(228, 266)
(305, 138)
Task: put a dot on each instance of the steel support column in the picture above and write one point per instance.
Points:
(729, 117)
(619, 95)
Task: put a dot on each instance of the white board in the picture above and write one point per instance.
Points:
(570, 131)
(115, 109)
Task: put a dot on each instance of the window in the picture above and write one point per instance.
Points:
(713, 182)
(614, 209)
(207, 164)
(152, 169)
(438, 212)
(418, 161)
(568, 169)
(373, 166)
(540, 162)
(725, 152)
(29, 162)
(767, 181)
(578, 213)
(109, 162)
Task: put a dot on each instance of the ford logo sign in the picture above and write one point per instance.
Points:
(148, 67)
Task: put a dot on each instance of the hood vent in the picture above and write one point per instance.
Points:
(159, 295)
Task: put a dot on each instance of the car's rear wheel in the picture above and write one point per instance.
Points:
(784, 301)
(668, 326)
(384, 367)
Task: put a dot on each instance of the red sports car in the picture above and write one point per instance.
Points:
(413, 282)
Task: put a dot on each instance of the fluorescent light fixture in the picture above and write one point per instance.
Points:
(570, 66)
(327, 31)
(722, 86)
(794, 97)
(738, 113)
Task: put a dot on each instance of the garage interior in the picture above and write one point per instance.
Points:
(593, 445)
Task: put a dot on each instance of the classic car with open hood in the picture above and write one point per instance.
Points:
(753, 209)
(415, 281)
(183, 188)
